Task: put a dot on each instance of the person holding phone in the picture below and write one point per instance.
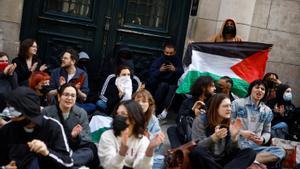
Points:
(164, 73)
(218, 138)
(125, 146)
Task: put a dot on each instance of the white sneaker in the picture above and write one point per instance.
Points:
(162, 115)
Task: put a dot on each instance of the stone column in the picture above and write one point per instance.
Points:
(10, 24)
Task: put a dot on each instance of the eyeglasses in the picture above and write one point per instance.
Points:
(69, 95)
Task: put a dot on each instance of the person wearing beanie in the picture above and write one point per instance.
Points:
(29, 139)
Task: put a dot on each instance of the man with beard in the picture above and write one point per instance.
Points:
(69, 73)
(256, 119)
(164, 74)
(31, 140)
(227, 33)
(201, 91)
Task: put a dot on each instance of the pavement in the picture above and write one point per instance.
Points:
(165, 124)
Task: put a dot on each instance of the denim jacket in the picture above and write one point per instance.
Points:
(260, 116)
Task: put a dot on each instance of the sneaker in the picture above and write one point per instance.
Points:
(162, 115)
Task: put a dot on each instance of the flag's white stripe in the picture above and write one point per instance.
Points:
(217, 64)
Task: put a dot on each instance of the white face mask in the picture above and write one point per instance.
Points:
(287, 96)
(124, 81)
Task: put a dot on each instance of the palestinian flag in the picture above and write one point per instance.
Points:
(243, 62)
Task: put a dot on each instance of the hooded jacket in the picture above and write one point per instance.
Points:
(220, 38)
(14, 138)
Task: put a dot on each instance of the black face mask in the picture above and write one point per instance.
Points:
(229, 29)
(45, 89)
(119, 124)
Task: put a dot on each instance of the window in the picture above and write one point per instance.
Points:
(150, 13)
(72, 7)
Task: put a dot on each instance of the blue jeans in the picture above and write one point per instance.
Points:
(277, 151)
(280, 130)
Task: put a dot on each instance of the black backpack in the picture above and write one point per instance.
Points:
(184, 128)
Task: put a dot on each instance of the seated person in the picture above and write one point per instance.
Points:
(8, 78)
(224, 85)
(256, 119)
(68, 72)
(27, 61)
(218, 139)
(31, 140)
(124, 146)
(40, 83)
(76, 125)
(202, 89)
(283, 112)
(118, 87)
(163, 76)
(272, 81)
(145, 99)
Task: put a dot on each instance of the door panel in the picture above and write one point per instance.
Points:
(98, 27)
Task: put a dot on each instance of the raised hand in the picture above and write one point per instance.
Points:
(219, 133)
(62, 80)
(76, 131)
(43, 67)
(235, 128)
(197, 106)
(33, 67)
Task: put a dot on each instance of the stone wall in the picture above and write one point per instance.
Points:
(10, 24)
(268, 21)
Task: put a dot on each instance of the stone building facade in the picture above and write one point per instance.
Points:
(268, 21)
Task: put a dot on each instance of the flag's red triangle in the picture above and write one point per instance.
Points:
(253, 67)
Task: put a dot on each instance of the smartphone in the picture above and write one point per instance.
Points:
(168, 63)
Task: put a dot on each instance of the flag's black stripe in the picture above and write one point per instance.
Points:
(229, 49)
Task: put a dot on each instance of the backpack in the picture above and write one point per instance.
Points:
(178, 158)
(184, 128)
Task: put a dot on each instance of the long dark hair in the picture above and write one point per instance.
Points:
(200, 86)
(24, 47)
(212, 111)
(135, 116)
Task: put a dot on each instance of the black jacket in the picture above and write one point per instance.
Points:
(13, 144)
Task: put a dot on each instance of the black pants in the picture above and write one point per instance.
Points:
(173, 137)
(163, 96)
(201, 157)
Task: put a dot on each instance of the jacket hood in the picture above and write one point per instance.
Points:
(222, 28)
(279, 93)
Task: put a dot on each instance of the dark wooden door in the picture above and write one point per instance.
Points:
(98, 27)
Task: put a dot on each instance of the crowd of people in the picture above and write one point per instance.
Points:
(47, 120)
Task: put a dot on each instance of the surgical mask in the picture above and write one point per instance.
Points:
(10, 112)
(287, 96)
(3, 66)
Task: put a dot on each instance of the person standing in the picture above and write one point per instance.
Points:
(228, 33)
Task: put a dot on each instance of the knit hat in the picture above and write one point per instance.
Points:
(83, 55)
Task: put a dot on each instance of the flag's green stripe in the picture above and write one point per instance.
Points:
(239, 86)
